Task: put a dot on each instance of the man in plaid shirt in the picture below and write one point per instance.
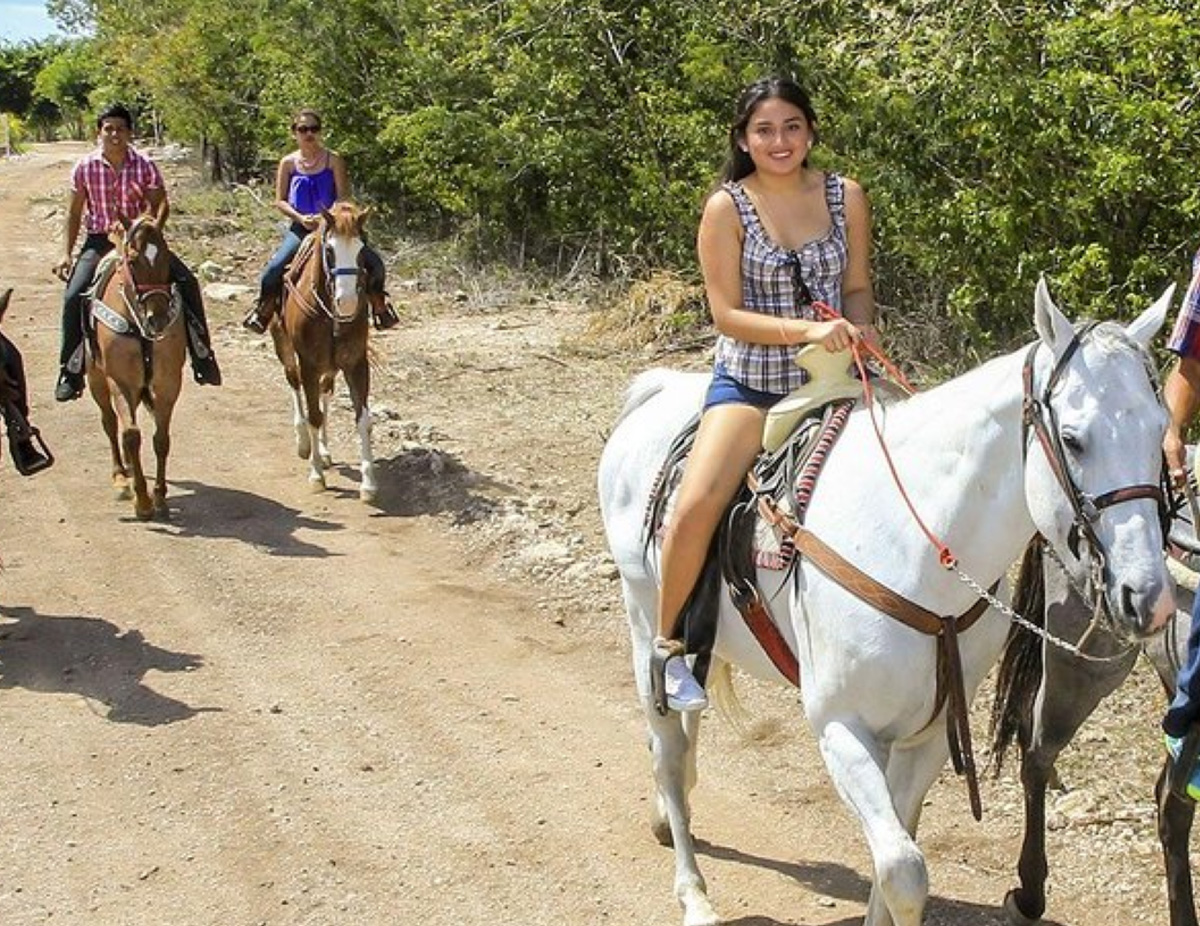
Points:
(112, 183)
(1181, 394)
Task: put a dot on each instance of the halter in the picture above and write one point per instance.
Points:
(327, 275)
(142, 293)
(1039, 416)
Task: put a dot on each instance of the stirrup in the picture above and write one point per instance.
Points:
(255, 322)
(660, 651)
(385, 318)
(26, 447)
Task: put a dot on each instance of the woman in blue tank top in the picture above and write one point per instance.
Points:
(311, 179)
(776, 235)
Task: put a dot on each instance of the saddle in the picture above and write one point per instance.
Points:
(798, 434)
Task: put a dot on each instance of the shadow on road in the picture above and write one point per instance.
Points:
(842, 883)
(220, 512)
(94, 658)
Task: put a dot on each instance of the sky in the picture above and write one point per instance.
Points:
(21, 20)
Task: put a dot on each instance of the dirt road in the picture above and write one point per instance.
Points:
(283, 708)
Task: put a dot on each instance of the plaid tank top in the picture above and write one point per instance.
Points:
(773, 282)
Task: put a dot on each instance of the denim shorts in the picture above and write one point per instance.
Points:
(725, 390)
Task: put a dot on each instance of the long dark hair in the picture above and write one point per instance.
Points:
(738, 163)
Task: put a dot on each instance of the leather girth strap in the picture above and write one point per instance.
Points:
(950, 692)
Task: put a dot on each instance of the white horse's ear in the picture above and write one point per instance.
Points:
(1052, 326)
(1146, 326)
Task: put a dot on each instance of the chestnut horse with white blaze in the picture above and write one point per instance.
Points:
(136, 356)
(323, 329)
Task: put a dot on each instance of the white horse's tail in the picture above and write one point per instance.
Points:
(724, 697)
(644, 387)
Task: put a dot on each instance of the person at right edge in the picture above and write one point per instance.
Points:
(1181, 395)
(775, 236)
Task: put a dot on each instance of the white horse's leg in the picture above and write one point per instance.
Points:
(911, 772)
(659, 824)
(323, 432)
(368, 487)
(672, 754)
(901, 886)
(300, 425)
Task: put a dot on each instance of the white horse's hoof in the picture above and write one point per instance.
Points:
(700, 913)
(1014, 914)
(316, 486)
(367, 495)
(326, 459)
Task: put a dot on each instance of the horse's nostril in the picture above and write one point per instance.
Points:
(1128, 604)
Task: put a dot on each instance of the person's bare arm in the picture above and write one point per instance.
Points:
(858, 293)
(74, 222)
(341, 177)
(1181, 395)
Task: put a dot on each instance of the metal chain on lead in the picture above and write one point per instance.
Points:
(1072, 648)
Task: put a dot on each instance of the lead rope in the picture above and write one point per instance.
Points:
(945, 555)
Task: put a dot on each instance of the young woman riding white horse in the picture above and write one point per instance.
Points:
(1062, 438)
(776, 234)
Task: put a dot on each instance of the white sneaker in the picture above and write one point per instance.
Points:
(683, 691)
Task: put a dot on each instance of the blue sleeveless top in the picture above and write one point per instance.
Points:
(308, 194)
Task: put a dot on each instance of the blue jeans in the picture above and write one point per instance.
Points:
(1185, 708)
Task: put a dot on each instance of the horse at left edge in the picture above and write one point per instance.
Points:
(1062, 438)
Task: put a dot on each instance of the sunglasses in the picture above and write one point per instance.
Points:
(307, 129)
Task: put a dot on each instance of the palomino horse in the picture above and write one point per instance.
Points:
(137, 356)
(1046, 691)
(977, 479)
(322, 329)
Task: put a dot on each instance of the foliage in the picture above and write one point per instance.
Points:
(997, 141)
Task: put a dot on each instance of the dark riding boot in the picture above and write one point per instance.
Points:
(204, 362)
(259, 317)
(25, 445)
(382, 312)
(69, 385)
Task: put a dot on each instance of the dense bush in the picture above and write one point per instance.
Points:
(997, 141)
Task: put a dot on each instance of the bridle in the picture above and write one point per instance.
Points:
(1039, 417)
(327, 273)
(142, 293)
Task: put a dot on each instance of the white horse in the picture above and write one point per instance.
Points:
(980, 483)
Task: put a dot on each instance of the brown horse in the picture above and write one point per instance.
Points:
(136, 357)
(323, 329)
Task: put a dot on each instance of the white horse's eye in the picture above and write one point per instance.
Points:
(1072, 442)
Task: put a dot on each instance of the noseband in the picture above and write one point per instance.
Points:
(1040, 417)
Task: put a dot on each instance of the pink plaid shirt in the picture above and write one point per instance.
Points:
(113, 194)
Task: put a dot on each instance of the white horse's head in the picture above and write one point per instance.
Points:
(343, 243)
(1094, 472)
